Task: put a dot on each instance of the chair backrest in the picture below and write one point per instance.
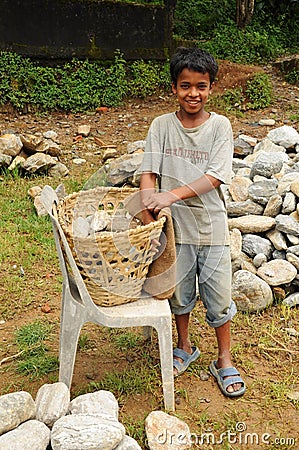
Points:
(71, 274)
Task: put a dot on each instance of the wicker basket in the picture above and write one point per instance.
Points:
(113, 264)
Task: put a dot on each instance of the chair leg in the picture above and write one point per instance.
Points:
(166, 358)
(70, 327)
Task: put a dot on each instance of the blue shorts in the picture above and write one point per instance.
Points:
(211, 266)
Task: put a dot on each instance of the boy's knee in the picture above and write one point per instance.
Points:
(217, 318)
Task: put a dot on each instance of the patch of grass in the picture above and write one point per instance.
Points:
(231, 101)
(83, 342)
(135, 429)
(78, 85)
(257, 94)
(31, 338)
(38, 366)
(136, 380)
(26, 242)
(34, 361)
(125, 340)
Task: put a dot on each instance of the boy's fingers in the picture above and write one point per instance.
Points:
(154, 244)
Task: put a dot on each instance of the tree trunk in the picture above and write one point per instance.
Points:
(245, 10)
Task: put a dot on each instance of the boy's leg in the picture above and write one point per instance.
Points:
(183, 302)
(182, 326)
(215, 292)
(224, 357)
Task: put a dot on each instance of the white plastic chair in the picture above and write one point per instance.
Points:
(79, 308)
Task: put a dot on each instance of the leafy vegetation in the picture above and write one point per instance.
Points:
(292, 77)
(259, 91)
(212, 24)
(257, 94)
(77, 85)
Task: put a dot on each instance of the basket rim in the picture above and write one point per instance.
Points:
(106, 234)
(99, 235)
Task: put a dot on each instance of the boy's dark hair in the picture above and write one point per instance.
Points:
(193, 59)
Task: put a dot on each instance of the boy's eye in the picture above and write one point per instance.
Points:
(200, 86)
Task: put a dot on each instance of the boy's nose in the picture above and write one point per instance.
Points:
(193, 92)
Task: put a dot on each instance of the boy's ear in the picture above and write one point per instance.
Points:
(173, 88)
(212, 87)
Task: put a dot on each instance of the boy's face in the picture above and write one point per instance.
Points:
(192, 90)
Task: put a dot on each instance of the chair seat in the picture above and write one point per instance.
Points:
(146, 307)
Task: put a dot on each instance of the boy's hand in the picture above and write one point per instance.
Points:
(159, 200)
(155, 244)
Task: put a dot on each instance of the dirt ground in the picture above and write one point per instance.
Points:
(200, 403)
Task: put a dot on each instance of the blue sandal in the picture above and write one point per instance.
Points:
(187, 359)
(223, 383)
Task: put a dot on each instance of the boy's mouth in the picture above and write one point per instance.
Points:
(193, 102)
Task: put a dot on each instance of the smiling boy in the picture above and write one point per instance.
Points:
(189, 155)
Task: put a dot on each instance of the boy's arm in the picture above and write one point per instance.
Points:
(156, 201)
(147, 186)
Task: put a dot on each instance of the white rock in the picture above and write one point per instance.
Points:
(84, 130)
(165, 432)
(95, 403)
(286, 136)
(50, 134)
(128, 443)
(277, 272)
(86, 432)
(267, 122)
(252, 223)
(81, 227)
(31, 435)
(100, 221)
(249, 292)
(15, 408)
(17, 161)
(10, 144)
(52, 402)
(79, 161)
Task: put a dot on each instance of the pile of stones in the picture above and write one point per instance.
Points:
(52, 421)
(34, 153)
(263, 209)
(88, 422)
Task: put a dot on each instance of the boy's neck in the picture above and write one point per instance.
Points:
(190, 120)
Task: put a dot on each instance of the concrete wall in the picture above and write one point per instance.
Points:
(63, 29)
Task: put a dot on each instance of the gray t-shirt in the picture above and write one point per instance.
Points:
(181, 155)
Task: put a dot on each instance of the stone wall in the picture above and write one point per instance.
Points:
(63, 29)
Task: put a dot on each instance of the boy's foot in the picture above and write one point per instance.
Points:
(228, 379)
(182, 359)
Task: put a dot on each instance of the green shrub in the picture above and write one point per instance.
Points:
(292, 77)
(78, 85)
(197, 19)
(213, 25)
(230, 100)
(148, 78)
(259, 91)
(244, 46)
(114, 84)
